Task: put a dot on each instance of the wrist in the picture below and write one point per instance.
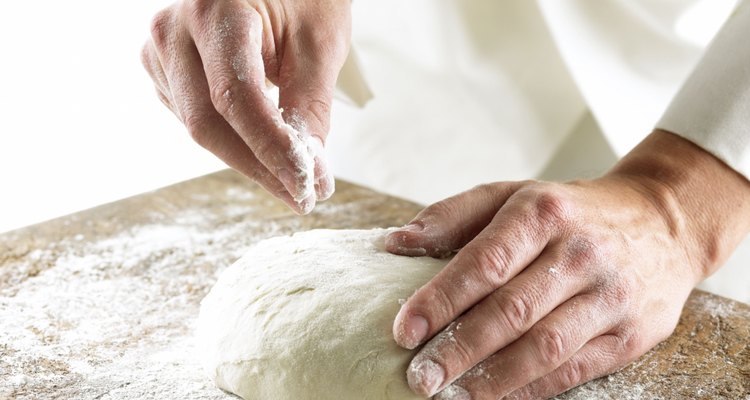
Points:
(704, 203)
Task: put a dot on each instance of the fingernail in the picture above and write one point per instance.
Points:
(425, 377)
(453, 392)
(413, 331)
(325, 187)
(306, 206)
(289, 181)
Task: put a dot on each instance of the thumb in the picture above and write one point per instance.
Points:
(305, 96)
(448, 225)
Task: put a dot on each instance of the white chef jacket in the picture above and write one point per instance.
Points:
(459, 93)
(473, 91)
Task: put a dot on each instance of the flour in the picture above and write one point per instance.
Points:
(302, 147)
(302, 153)
(73, 320)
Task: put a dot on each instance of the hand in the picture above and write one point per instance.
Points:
(557, 284)
(210, 60)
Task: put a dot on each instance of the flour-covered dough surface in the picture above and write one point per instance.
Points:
(309, 316)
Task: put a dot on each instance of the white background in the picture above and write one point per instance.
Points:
(79, 122)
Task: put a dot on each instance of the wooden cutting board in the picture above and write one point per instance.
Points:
(102, 304)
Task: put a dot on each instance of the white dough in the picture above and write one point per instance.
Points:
(309, 317)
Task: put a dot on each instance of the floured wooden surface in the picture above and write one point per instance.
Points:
(102, 304)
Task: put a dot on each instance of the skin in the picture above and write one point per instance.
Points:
(210, 61)
(551, 285)
(555, 284)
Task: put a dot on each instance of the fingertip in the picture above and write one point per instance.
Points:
(409, 331)
(325, 187)
(288, 180)
(405, 241)
(415, 240)
(302, 207)
(306, 206)
(325, 184)
(424, 376)
(297, 172)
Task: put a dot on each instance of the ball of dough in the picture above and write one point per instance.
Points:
(309, 316)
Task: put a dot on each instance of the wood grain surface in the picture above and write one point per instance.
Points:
(102, 304)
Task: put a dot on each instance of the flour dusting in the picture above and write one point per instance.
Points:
(154, 274)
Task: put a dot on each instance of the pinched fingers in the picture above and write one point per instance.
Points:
(306, 78)
(229, 38)
(178, 66)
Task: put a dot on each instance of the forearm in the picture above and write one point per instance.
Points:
(705, 202)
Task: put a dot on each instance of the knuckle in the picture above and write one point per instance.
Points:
(550, 345)
(199, 10)
(629, 342)
(514, 309)
(551, 207)
(571, 374)
(491, 261)
(632, 345)
(584, 253)
(161, 27)
(196, 125)
(223, 91)
(442, 307)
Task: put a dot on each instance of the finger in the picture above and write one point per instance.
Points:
(550, 343)
(152, 64)
(229, 41)
(184, 72)
(306, 84)
(516, 236)
(165, 100)
(498, 320)
(448, 225)
(599, 357)
(325, 184)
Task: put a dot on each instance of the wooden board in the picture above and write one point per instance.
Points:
(102, 304)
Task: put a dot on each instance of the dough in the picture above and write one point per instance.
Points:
(309, 317)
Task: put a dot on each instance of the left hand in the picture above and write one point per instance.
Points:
(557, 284)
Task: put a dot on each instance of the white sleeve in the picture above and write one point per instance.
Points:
(351, 86)
(712, 109)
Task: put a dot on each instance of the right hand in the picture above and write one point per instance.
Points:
(210, 60)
